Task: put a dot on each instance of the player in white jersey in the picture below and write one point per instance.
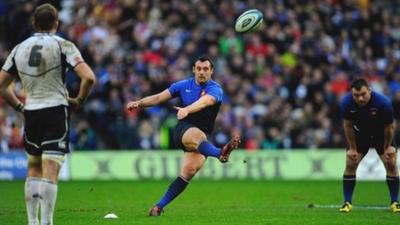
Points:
(40, 62)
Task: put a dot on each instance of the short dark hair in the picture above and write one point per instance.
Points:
(45, 16)
(359, 83)
(203, 59)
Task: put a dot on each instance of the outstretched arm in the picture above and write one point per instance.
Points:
(7, 94)
(150, 100)
(203, 102)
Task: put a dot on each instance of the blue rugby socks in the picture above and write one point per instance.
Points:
(208, 149)
(349, 182)
(393, 184)
(176, 187)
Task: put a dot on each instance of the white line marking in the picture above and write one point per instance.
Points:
(371, 207)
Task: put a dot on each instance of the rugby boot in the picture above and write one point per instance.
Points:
(395, 206)
(156, 211)
(346, 207)
(228, 148)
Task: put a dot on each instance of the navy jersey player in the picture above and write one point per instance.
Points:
(368, 123)
(40, 62)
(201, 99)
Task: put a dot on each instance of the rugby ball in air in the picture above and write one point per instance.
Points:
(249, 21)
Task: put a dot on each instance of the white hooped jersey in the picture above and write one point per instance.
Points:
(41, 61)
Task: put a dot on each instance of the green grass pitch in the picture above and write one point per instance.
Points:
(207, 203)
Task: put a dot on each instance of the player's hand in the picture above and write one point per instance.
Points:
(133, 105)
(182, 112)
(389, 153)
(75, 103)
(352, 154)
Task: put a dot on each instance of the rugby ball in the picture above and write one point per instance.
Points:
(249, 21)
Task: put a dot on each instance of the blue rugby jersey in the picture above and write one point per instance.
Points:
(371, 118)
(188, 91)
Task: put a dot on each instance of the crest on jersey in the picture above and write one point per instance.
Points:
(373, 111)
(202, 93)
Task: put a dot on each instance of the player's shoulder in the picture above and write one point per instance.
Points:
(180, 85)
(58, 38)
(380, 99)
(15, 48)
(184, 81)
(347, 98)
(64, 43)
(24, 45)
(213, 83)
(28, 41)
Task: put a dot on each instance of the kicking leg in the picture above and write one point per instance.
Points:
(195, 140)
(32, 185)
(192, 162)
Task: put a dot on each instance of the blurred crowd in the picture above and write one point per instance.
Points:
(282, 85)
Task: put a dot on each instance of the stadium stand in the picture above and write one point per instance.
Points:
(282, 84)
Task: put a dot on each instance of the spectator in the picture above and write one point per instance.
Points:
(282, 84)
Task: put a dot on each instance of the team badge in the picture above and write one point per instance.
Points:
(373, 111)
(62, 144)
(202, 93)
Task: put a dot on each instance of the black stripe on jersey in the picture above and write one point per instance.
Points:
(62, 58)
(13, 70)
(40, 74)
(64, 65)
(64, 62)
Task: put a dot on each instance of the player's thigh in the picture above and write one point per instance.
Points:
(193, 137)
(55, 136)
(363, 145)
(179, 131)
(191, 163)
(390, 160)
(51, 165)
(32, 132)
(34, 165)
(378, 144)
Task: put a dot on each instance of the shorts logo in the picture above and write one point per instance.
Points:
(62, 144)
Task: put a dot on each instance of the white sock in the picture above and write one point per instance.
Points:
(48, 192)
(32, 197)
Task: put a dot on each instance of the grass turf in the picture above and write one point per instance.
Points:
(206, 202)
